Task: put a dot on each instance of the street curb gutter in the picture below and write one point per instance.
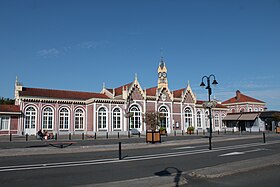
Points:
(236, 167)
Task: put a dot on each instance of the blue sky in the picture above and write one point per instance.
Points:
(78, 45)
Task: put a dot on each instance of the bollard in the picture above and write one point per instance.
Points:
(69, 136)
(107, 136)
(83, 136)
(139, 134)
(120, 150)
(118, 135)
(263, 137)
(174, 133)
(203, 132)
(232, 131)
(218, 131)
(26, 137)
(225, 131)
(55, 136)
(196, 132)
(128, 134)
(95, 135)
(250, 130)
(259, 130)
(182, 132)
(10, 137)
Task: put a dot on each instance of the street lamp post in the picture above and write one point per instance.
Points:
(209, 100)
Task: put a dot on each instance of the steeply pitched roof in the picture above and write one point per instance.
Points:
(119, 90)
(151, 91)
(178, 93)
(60, 94)
(9, 108)
(241, 98)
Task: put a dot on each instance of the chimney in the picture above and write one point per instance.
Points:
(237, 95)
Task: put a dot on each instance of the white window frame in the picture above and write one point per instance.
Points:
(216, 120)
(198, 119)
(64, 119)
(163, 110)
(79, 119)
(102, 118)
(188, 117)
(116, 118)
(5, 122)
(30, 118)
(135, 119)
(48, 117)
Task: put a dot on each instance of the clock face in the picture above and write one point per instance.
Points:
(159, 74)
(164, 74)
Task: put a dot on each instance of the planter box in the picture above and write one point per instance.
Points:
(277, 129)
(162, 132)
(153, 136)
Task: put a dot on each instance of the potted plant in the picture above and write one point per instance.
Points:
(162, 130)
(152, 120)
(190, 130)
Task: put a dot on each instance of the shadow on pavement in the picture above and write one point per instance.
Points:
(168, 172)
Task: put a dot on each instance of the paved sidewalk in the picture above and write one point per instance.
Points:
(43, 147)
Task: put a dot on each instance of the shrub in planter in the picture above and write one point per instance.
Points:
(190, 130)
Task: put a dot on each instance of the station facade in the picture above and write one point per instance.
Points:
(111, 110)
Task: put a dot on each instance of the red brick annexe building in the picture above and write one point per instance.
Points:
(114, 110)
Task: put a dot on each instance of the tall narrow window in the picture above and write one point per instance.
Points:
(135, 119)
(64, 119)
(102, 118)
(116, 118)
(216, 120)
(79, 119)
(30, 116)
(207, 119)
(188, 117)
(223, 123)
(198, 115)
(4, 122)
(164, 120)
(47, 118)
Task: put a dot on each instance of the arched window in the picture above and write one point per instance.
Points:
(232, 110)
(216, 120)
(79, 119)
(164, 119)
(64, 119)
(30, 118)
(135, 119)
(242, 110)
(116, 118)
(207, 119)
(102, 118)
(47, 118)
(188, 118)
(198, 116)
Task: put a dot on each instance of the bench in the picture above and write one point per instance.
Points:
(61, 144)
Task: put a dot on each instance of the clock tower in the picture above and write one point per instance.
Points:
(162, 75)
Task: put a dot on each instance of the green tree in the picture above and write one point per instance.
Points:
(152, 120)
(7, 101)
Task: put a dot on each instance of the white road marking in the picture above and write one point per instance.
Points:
(242, 153)
(189, 147)
(127, 159)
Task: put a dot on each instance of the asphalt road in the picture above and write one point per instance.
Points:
(139, 166)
